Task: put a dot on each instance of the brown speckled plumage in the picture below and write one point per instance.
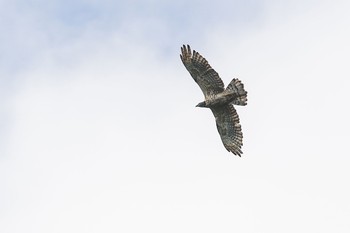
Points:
(217, 98)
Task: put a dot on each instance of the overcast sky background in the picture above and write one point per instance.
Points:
(99, 133)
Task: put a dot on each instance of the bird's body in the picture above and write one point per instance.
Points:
(217, 98)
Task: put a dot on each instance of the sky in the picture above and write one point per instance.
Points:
(99, 130)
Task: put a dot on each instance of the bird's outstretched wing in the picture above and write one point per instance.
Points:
(227, 122)
(205, 76)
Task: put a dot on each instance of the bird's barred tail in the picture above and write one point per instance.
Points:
(236, 86)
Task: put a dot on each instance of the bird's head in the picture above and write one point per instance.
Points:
(202, 104)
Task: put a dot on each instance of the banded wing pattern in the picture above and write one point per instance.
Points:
(227, 123)
(202, 73)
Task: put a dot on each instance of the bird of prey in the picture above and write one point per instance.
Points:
(217, 98)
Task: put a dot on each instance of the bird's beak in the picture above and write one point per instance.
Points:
(201, 104)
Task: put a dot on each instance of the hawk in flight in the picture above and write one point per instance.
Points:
(217, 98)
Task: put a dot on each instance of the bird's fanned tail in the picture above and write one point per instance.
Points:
(237, 87)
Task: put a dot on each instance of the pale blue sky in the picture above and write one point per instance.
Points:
(99, 132)
(29, 27)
